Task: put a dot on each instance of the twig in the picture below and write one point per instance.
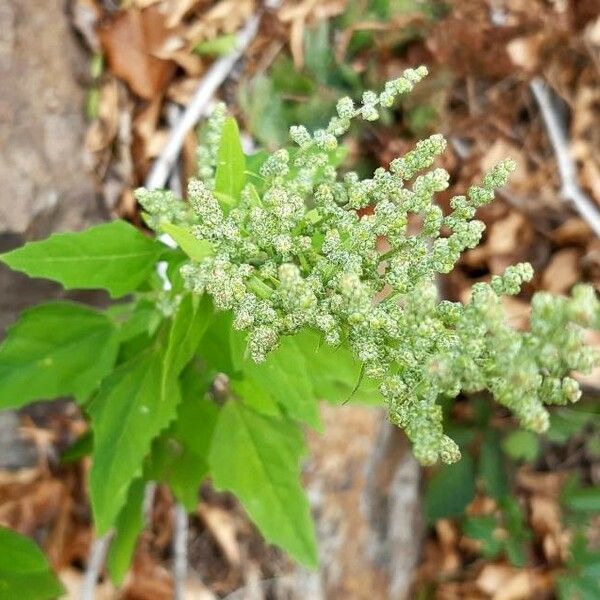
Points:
(214, 77)
(180, 536)
(94, 566)
(566, 166)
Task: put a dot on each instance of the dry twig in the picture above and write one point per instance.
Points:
(567, 171)
(94, 566)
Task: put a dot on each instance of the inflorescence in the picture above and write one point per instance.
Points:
(296, 252)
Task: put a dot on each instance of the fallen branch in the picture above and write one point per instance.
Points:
(94, 566)
(567, 170)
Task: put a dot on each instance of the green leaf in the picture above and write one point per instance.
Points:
(565, 423)
(144, 318)
(521, 445)
(334, 372)
(55, 349)
(128, 526)
(215, 349)
(319, 57)
(196, 249)
(450, 490)
(283, 377)
(257, 458)
(583, 499)
(518, 531)
(231, 163)
(82, 446)
(134, 404)
(264, 111)
(483, 529)
(113, 256)
(189, 325)
(218, 46)
(256, 397)
(180, 456)
(491, 466)
(24, 570)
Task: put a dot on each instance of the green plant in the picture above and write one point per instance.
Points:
(279, 284)
(24, 570)
(492, 456)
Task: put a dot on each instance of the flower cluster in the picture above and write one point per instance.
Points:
(295, 252)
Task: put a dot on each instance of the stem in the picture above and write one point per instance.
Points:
(259, 287)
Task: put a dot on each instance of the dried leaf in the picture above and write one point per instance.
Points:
(563, 271)
(131, 40)
(525, 51)
(493, 576)
(222, 526)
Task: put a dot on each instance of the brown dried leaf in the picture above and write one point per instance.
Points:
(131, 40)
(493, 576)
(563, 271)
(541, 483)
(182, 90)
(506, 235)
(523, 585)
(175, 10)
(221, 525)
(525, 51)
(545, 515)
(573, 232)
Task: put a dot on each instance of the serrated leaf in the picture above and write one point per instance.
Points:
(180, 456)
(334, 372)
(196, 249)
(55, 349)
(284, 377)
(128, 526)
(258, 459)
(231, 163)
(113, 256)
(133, 406)
(24, 570)
(255, 396)
(189, 325)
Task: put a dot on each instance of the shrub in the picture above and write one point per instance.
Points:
(279, 283)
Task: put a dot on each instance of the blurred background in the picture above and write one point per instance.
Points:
(90, 92)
